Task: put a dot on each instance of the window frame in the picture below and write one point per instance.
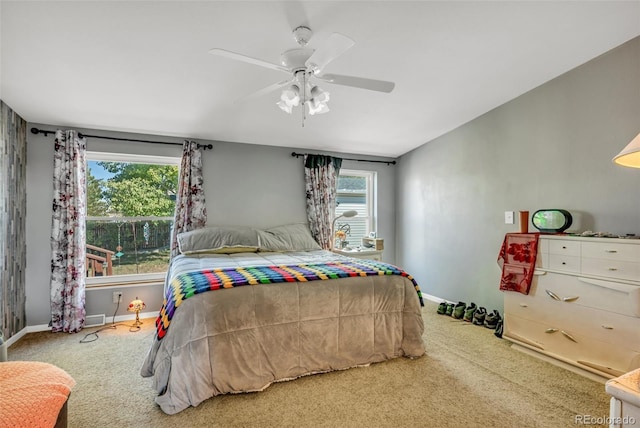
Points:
(129, 279)
(371, 193)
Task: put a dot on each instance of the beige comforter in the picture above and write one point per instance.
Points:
(245, 338)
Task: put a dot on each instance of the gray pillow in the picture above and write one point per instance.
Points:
(218, 239)
(291, 237)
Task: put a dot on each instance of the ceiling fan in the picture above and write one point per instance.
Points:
(305, 65)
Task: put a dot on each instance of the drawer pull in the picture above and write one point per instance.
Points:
(564, 247)
(612, 268)
(570, 299)
(568, 336)
(607, 327)
(564, 263)
(524, 305)
(551, 330)
(610, 251)
(553, 295)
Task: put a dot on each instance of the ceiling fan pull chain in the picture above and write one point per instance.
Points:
(304, 97)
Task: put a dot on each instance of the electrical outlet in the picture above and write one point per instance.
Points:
(117, 297)
(508, 217)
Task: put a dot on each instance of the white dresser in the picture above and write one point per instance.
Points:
(583, 307)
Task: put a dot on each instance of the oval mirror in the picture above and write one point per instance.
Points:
(552, 221)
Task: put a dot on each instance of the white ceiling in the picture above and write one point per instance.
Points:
(144, 67)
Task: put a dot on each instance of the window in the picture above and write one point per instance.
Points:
(130, 207)
(356, 190)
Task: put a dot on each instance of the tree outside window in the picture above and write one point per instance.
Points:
(130, 209)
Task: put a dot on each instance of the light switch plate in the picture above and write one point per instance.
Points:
(508, 217)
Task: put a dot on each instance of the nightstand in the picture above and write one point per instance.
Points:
(363, 253)
(624, 407)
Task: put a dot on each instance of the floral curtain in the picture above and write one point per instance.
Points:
(68, 249)
(191, 211)
(321, 177)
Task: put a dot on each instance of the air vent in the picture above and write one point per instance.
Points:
(94, 320)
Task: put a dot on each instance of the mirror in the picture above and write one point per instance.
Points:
(552, 221)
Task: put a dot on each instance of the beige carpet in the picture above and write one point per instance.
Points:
(468, 378)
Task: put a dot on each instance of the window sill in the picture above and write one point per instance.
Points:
(125, 280)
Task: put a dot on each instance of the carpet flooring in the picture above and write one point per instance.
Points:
(468, 378)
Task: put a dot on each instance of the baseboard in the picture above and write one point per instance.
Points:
(45, 327)
(19, 335)
(586, 373)
(432, 298)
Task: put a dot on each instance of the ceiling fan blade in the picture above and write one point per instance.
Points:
(336, 45)
(265, 90)
(358, 82)
(250, 60)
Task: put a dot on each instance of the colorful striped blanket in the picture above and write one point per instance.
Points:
(187, 284)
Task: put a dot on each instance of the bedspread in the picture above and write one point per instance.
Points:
(242, 339)
(189, 284)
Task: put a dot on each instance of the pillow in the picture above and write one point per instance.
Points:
(291, 237)
(218, 239)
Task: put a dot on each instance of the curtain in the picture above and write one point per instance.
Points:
(191, 212)
(321, 177)
(68, 249)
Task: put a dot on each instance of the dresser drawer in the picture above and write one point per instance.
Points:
(611, 251)
(611, 269)
(609, 296)
(583, 351)
(611, 328)
(564, 263)
(564, 247)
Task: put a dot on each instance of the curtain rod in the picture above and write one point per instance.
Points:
(46, 133)
(297, 155)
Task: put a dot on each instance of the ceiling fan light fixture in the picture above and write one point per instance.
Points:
(316, 107)
(287, 108)
(319, 95)
(291, 95)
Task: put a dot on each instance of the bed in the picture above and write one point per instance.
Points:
(276, 307)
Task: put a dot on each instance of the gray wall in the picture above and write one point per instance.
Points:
(244, 185)
(549, 148)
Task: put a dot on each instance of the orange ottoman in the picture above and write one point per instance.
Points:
(33, 394)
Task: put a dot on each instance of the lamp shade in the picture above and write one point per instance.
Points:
(350, 213)
(630, 155)
(136, 305)
(291, 95)
(317, 108)
(287, 108)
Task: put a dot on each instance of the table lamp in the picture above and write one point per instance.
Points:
(350, 213)
(136, 306)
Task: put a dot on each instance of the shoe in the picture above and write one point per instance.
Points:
(458, 310)
(468, 313)
(442, 308)
(479, 315)
(491, 320)
(499, 328)
(449, 310)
